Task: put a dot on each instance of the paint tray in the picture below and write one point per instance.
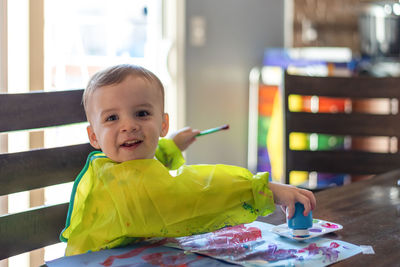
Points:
(319, 228)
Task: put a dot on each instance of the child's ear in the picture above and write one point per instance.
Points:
(92, 137)
(164, 125)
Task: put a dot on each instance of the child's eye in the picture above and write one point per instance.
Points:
(142, 113)
(112, 118)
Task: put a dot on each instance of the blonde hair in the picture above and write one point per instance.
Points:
(116, 74)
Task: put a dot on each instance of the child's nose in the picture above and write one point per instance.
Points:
(129, 125)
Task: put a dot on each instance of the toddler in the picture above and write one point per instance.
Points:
(126, 193)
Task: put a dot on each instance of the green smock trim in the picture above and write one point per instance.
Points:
(93, 155)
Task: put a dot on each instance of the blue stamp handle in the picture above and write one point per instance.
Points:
(299, 221)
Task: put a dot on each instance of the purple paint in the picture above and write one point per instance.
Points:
(272, 254)
(315, 230)
(330, 253)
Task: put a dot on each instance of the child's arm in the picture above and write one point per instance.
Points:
(288, 195)
(184, 137)
(169, 150)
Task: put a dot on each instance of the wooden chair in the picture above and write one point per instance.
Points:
(352, 124)
(40, 226)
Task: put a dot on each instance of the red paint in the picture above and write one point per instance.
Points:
(240, 233)
(334, 245)
(134, 252)
(169, 259)
(236, 234)
(225, 241)
(163, 259)
(262, 193)
(329, 225)
(229, 235)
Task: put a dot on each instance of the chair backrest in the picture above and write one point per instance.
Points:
(41, 226)
(351, 124)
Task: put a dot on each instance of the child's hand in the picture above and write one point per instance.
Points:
(184, 137)
(287, 195)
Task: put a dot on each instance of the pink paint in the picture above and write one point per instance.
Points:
(134, 252)
(330, 225)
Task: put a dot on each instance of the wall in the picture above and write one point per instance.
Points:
(327, 23)
(236, 34)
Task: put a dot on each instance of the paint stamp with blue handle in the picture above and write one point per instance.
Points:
(300, 223)
(318, 228)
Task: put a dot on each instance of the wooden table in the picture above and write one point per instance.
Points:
(370, 214)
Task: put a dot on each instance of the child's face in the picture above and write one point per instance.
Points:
(127, 119)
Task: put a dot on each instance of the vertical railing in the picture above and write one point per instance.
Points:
(35, 79)
(3, 89)
(36, 82)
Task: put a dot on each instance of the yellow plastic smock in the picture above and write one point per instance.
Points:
(113, 204)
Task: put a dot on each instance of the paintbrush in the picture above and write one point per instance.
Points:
(213, 130)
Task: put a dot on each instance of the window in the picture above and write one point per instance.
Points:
(78, 39)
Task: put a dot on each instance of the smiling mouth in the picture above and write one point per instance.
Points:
(131, 143)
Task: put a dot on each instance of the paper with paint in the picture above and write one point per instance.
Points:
(248, 245)
(254, 245)
(319, 228)
(141, 254)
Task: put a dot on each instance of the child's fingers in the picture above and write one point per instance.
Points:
(194, 133)
(311, 197)
(185, 129)
(191, 133)
(290, 211)
(306, 203)
(191, 140)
